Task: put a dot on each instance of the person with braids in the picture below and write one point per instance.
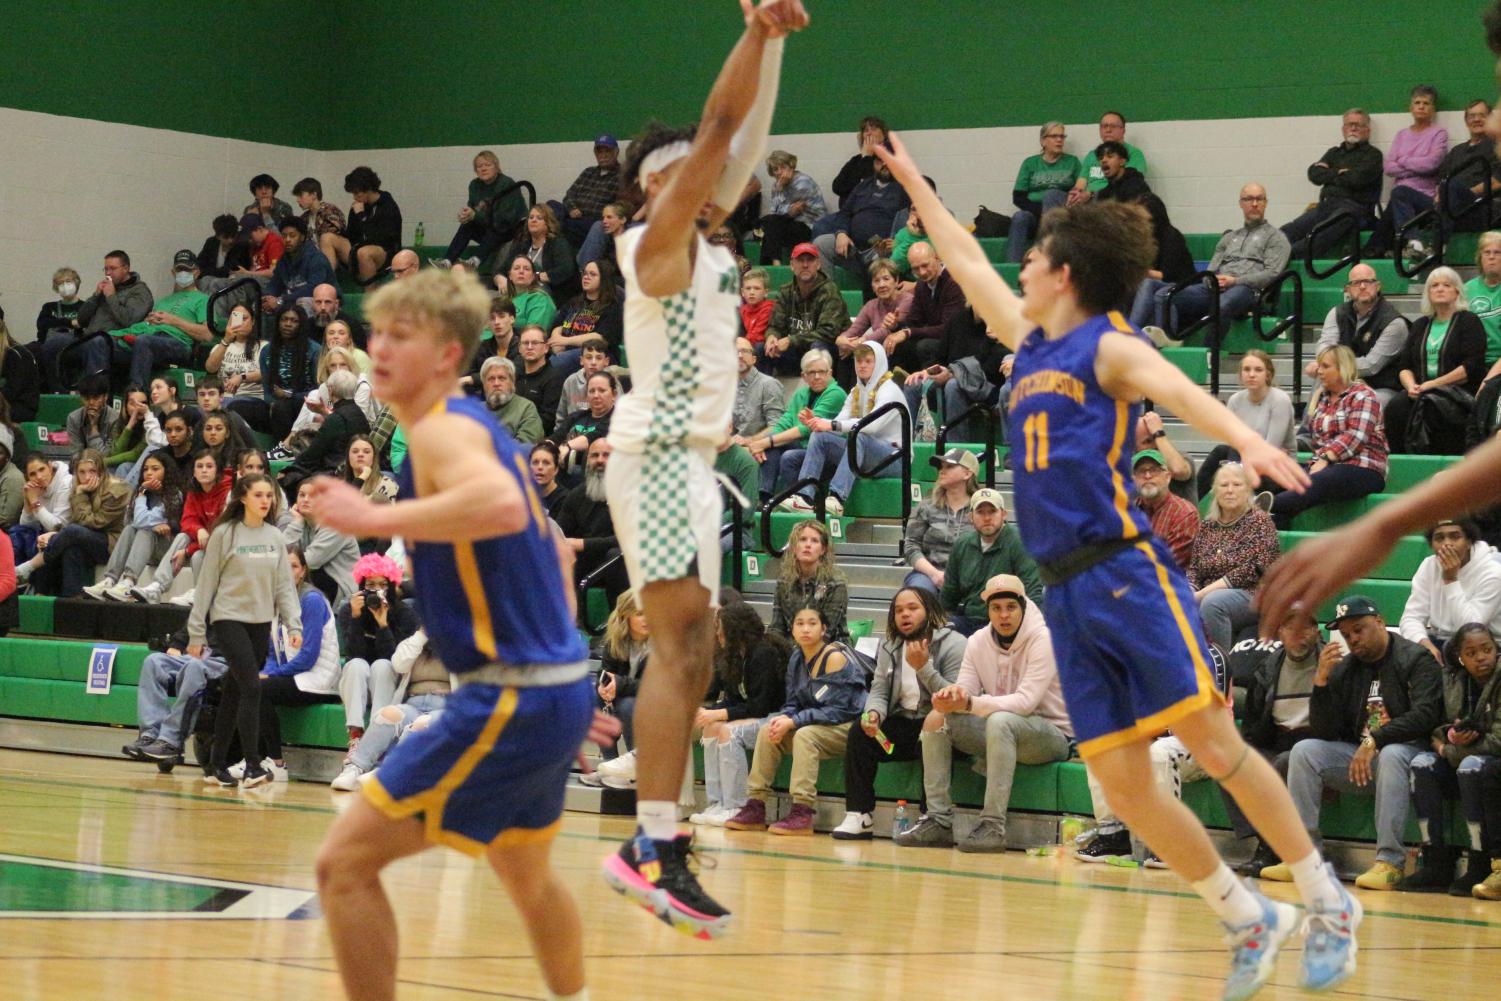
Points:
(681, 306)
(289, 369)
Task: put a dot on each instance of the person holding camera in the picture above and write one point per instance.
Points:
(370, 625)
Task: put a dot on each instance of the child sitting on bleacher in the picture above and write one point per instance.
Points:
(46, 504)
(203, 502)
(66, 558)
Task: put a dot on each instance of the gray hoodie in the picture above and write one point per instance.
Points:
(246, 578)
(945, 657)
(130, 304)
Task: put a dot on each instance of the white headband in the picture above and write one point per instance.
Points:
(663, 157)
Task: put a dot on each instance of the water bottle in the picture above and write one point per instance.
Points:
(417, 237)
(902, 821)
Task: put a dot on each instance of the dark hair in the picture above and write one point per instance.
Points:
(606, 375)
(234, 511)
(1108, 247)
(608, 294)
(247, 450)
(551, 449)
(1117, 114)
(177, 415)
(264, 181)
(123, 418)
(226, 225)
(300, 380)
(346, 472)
(1112, 147)
(171, 493)
(361, 179)
(1480, 101)
(653, 137)
(1457, 641)
(595, 343)
(873, 121)
(502, 304)
(308, 186)
(125, 258)
(932, 607)
(1465, 525)
(1427, 90)
(295, 549)
(743, 632)
(209, 382)
(293, 222)
(205, 453)
(96, 384)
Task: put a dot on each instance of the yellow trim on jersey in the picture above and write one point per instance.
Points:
(474, 594)
(1117, 482)
(1119, 322)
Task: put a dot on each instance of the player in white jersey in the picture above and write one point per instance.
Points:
(680, 322)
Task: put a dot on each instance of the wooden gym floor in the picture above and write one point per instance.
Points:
(119, 883)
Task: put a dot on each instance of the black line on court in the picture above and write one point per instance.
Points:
(406, 981)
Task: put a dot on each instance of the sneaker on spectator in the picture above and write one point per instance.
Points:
(256, 776)
(1329, 949)
(752, 817)
(1152, 861)
(1158, 336)
(797, 823)
(348, 779)
(1264, 501)
(798, 503)
(354, 742)
(185, 599)
(832, 505)
(854, 827)
(97, 591)
(279, 453)
(219, 776)
(926, 833)
(472, 263)
(132, 750)
(1381, 876)
(267, 765)
(702, 817)
(988, 836)
(1490, 887)
(151, 594)
(591, 779)
(1104, 847)
(1254, 947)
(443, 263)
(159, 750)
(619, 773)
(121, 591)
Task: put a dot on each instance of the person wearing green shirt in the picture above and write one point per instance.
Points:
(488, 218)
(1091, 178)
(993, 547)
(904, 239)
(736, 462)
(1043, 183)
(1484, 293)
(167, 335)
(779, 449)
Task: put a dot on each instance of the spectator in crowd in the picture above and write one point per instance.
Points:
(1092, 179)
(328, 307)
(810, 312)
(1278, 680)
(344, 420)
(1371, 713)
(263, 188)
(1412, 162)
(991, 548)
(780, 448)
(151, 520)
(594, 358)
(534, 305)
(536, 379)
(120, 299)
(937, 299)
(877, 441)
(750, 668)
(1005, 708)
(373, 232)
(550, 255)
(289, 369)
(905, 238)
(305, 675)
(733, 465)
(210, 396)
(1484, 293)
(1349, 180)
(322, 221)
(215, 434)
(404, 264)
(1466, 741)
(339, 336)
(170, 675)
(825, 692)
(517, 413)
(575, 433)
(12, 482)
(498, 340)
(66, 558)
(599, 245)
(1446, 348)
(236, 361)
(1349, 446)
(302, 268)
(167, 334)
(417, 700)
(623, 656)
(584, 517)
(491, 213)
(1152, 435)
(544, 466)
(178, 452)
(918, 658)
(361, 469)
(46, 503)
(594, 312)
(1235, 544)
(224, 252)
(591, 191)
(134, 430)
(1370, 326)
(1460, 583)
(755, 307)
(330, 557)
(796, 204)
(1460, 181)
(862, 165)
(810, 578)
(1174, 520)
(867, 216)
(92, 424)
(59, 314)
(1043, 182)
(204, 499)
(885, 312)
(372, 623)
(1265, 408)
(266, 250)
(319, 402)
(938, 521)
(970, 369)
(760, 399)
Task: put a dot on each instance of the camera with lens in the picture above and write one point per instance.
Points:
(374, 598)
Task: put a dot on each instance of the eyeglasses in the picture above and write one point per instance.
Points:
(816, 371)
(1056, 135)
(1252, 199)
(1361, 282)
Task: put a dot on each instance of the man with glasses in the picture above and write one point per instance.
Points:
(536, 378)
(1349, 178)
(1092, 179)
(1372, 328)
(760, 399)
(1174, 520)
(1043, 183)
(1461, 181)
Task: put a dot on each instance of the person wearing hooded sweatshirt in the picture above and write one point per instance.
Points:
(874, 388)
(1459, 583)
(1007, 706)
(919, 657)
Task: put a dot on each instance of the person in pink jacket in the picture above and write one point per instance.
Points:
(1007, 706)
(1412, 163)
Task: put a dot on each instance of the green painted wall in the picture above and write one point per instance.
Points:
(450, 73)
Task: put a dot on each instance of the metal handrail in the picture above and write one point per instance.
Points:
(1476, 201)
(1434, 256)
(903, 455)
(988, 459)
(1266, 303)
(820, 485)
(1211, 281)
(1353, 257)
(581, 587)
(255, 304)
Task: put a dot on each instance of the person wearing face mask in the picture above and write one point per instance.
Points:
(167, 334)
(120, 299)
(61, 312)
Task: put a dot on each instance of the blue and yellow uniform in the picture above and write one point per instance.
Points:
(1126, 633)
(494, 768)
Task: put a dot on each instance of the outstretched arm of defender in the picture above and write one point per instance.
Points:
(961, 253)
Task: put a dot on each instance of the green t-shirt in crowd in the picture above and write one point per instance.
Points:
(1485, 302)
(189, 304)
(1096, 177)
(1037, 177)
(1436, 334)
(900, 244)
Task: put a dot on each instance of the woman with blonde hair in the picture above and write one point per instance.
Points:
(1235, 544)
(810, 578)
(1441, 371)
(796, 204)
(550, 254)
(1266, 408)
(623, 655)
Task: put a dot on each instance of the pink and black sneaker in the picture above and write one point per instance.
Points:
(655, 874)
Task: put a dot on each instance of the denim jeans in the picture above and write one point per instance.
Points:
(779, 471)
(1405, 203)
(1319, 764)
(856, 262)
(1193, 304)
(1000, 740)
(917, 578)
(1435, 781)
(1144, 306)
(1226, 612)
(158, 672)
(567, 362)
(382, 732)
(155, 351)
(727, 765)
(594, 245)
(826, 448)
(366, 688)
(1341, 481)
(1024, 225)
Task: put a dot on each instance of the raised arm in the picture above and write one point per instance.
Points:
(990, 295)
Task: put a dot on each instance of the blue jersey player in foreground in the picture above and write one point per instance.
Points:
(1130, 650)
(488, 778)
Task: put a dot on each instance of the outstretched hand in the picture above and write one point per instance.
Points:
(903, 167)
(1302, 580)
(1262, 458)
(779, 17)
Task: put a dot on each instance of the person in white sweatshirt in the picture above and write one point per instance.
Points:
(874, 388)
(1459, 583)
(1007, 706)
(46, 502)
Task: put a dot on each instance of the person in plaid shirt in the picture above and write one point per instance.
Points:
(591, 191)
(1174, 520)
(1349, 445)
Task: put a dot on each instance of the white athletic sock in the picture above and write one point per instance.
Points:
(658, 818)
(1228, 897)
(1316, 885)
(582, 994)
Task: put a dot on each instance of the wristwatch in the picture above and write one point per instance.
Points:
(1159, 433)
(1368, 741)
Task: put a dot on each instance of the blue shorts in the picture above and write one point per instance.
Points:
(1131, 652)
(492, 770)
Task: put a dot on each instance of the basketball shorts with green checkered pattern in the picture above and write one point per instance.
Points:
(666, 509)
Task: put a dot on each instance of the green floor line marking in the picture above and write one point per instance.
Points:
(762, 853)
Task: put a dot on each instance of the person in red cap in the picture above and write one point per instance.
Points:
(810, 312)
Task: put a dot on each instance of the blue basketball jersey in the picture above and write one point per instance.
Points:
(498, 599)
(1072, 445)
